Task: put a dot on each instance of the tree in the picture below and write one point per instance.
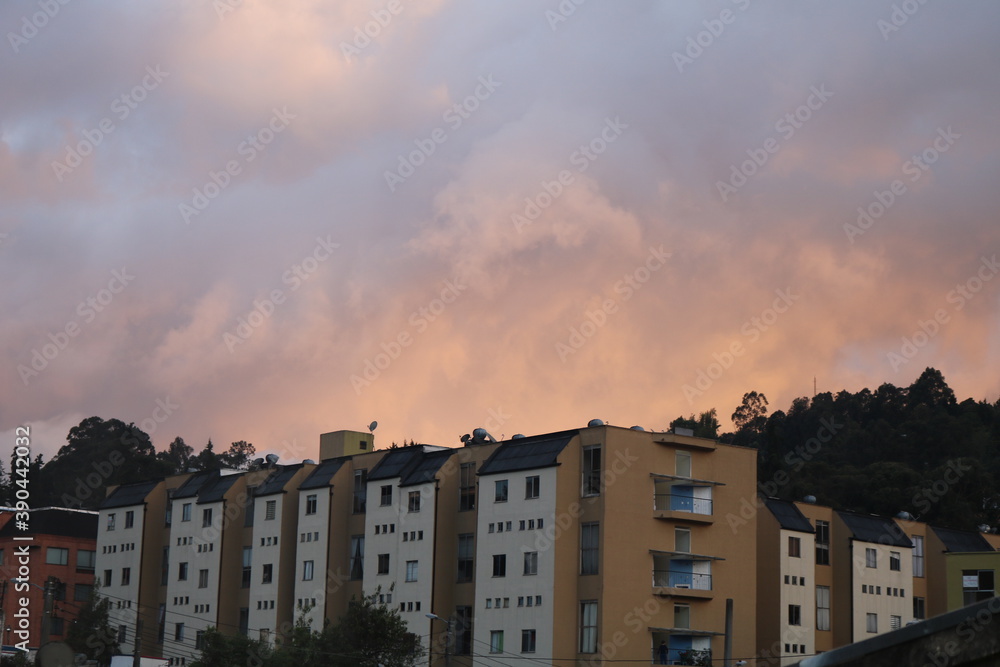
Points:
(371, 634)
(178, 455)
(751, 413)
(238, 456)
(220, 650)
(91, 632)
(207, 459)
(706, 425)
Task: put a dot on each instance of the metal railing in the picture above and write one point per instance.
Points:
(673, 502)
(682, 656)
(678, 579)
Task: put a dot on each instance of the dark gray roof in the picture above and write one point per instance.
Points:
(275, 483)
(192, 486)
(213, 493)
(129, 494)
(788, 515)
(539, 451)
(962, 541)
(875, 529)
(323, 473)
(57, 521)
(396, 463)
(426, 468)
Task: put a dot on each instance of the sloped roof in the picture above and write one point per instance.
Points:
(876, 529)
(129, 494)
(426, 468)
(323, 473)
(395, 463)
(213, 493)
(527, 453)
(788, 515)
(962, 541)
(57, 521)
(275, 483)
(192, 486)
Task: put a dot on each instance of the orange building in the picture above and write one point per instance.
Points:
(63, 548)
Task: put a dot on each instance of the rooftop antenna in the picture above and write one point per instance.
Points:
(814, 386)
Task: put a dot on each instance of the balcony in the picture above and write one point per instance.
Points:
(682, 498)
(680, 583)
(683, 646)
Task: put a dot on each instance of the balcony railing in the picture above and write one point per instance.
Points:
(678, 579)
(683, 656)
(676, 503)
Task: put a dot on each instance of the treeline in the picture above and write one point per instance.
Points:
(100, 453)
(913, 449)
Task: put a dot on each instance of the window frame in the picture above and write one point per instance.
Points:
(532, 487)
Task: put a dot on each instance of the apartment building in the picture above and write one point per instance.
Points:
(827, 578)
(61, 550)
(590, 544)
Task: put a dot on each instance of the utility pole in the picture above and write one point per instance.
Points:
(46, 613)
(3, 614)
(728, 649)
(137, 653)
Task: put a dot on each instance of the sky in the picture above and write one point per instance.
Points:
(262, 221)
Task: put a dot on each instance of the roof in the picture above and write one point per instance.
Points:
(192, 486)
(876, 529)
(213, 493)
(961, 541)
(129, 494)
(427, 467)
(395, 463)
(527, 453)
(276, 481)
(57, 521)
(323, 473)
(788, 515)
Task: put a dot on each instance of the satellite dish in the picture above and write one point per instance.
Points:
(373, 426)
(595, 422)
(272, 458)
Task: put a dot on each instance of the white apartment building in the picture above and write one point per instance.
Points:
(312, 547)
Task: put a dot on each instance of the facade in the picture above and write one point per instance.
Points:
(62, 549)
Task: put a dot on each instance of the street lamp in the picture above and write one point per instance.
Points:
(447, 642)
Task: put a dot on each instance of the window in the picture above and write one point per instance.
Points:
(85, 559)
(413, 501)
(682, 616)
(467, 487)
(977, 585)
(894, 561)
(122, 634)
(206, 517)
(307, 570)
(531, 562)
(107, 578)
(186, 512)
(383, 564)
(129, 519)
(500, 565)
(126, 576)
(589, 548)
(179, 632)
(496, 641)
(111, 521)
(527, 641)
(56, 556)
(682, 540)
(822, 607)
(683, 464)
(794, 614)
(591, 485)
(895, 622)
(270, 510)
(918, 556)
(411, 570)
(58, 626)
(247, 560)
(357, 557)
(248, 507)
(794, 547)
(202, 578)
(466, 554)
(199, 639)
(311, 503)
(822, 542)
(463, 630)
(267, 573)
(919, 608)
(871, 557)
(500, 495)
(871, 622)
(182, 571)
(531, 487)
(385, 495)
(588, 626)
(360, 491)
(82, 592)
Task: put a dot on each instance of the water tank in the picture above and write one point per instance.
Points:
(272, 459)
(517, 436)
(638, 428)
(905, 516)
(809, 499)
(595, 422)
(309, 461)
